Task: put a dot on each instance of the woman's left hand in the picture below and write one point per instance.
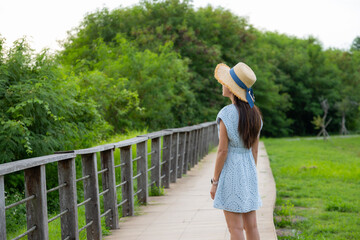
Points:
(213, 191)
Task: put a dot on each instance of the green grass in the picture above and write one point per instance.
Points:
(319, 181)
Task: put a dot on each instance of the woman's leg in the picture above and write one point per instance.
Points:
(250, 225)
(235, 225)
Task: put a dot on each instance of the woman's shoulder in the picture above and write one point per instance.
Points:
(227, 108)
(227, 112)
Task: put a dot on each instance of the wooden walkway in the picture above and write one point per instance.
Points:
(186, 210)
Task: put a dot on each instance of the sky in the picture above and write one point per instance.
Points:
(335, 23)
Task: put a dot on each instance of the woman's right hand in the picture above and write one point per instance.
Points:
(213, 191)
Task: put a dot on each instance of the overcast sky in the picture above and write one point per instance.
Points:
(334, 22)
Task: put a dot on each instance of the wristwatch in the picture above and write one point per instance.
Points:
(214, 182)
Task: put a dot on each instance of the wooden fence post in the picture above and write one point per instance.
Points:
(208, 145)
(127, 175)
(142, 167)
(210, 139)
(205, 141)
(2, 209)
(109, 182)
(201, 143)
(36, 209)
(166, 161)
(182, 145)
(198, 145)
(174, 156)
(91, 191)
(213, 135)
(68, 199)
(155, 161)
(187, 152)
(215, 138)
(193, 147)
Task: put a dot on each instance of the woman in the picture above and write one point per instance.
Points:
(235, 184)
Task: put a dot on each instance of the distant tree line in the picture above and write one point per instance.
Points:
(152, 66)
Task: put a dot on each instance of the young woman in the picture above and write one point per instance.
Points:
(235, 183)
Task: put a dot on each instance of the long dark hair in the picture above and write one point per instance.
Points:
(249, 121)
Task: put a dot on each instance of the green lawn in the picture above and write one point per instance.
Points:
(318, 187)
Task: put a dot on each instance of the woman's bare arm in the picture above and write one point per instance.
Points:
(254, 149)
(222, 151)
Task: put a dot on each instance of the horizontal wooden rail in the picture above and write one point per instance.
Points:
(172, 153)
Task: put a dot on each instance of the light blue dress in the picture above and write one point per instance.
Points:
(237, 189)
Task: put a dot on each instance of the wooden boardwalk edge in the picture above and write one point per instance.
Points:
(186, 210)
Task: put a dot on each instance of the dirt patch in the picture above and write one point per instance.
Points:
(293, 219)
(287, 232)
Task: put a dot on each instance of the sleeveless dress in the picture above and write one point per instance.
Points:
(237, 190)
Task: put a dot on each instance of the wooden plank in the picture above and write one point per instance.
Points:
(95, 149)
(126, 175)
(184, 129)
(142, 167)
(19, 165)
(155, 134)
(130, 141)
(68, 199)
(36, 209)
(108, 182)
(2, 209)
(165, 170)
(91, 190)
(155, 161)
(174, 155)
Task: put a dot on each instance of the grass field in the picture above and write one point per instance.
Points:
(318, 187)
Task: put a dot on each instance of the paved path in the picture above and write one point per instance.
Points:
(186, 210)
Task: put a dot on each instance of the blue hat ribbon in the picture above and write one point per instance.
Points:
(249, 92)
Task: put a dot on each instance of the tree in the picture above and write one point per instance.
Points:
(292, 72)
(40, 112)
(344, 107)
(321, 122)
(355, 46)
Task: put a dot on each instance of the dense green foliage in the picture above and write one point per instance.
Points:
(316, 182)
(40, 111)
(134, 86)
(151, 66)
(293, 74)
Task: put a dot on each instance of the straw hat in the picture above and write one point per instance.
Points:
(238, 80)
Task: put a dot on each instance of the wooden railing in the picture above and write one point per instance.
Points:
(172, 153)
